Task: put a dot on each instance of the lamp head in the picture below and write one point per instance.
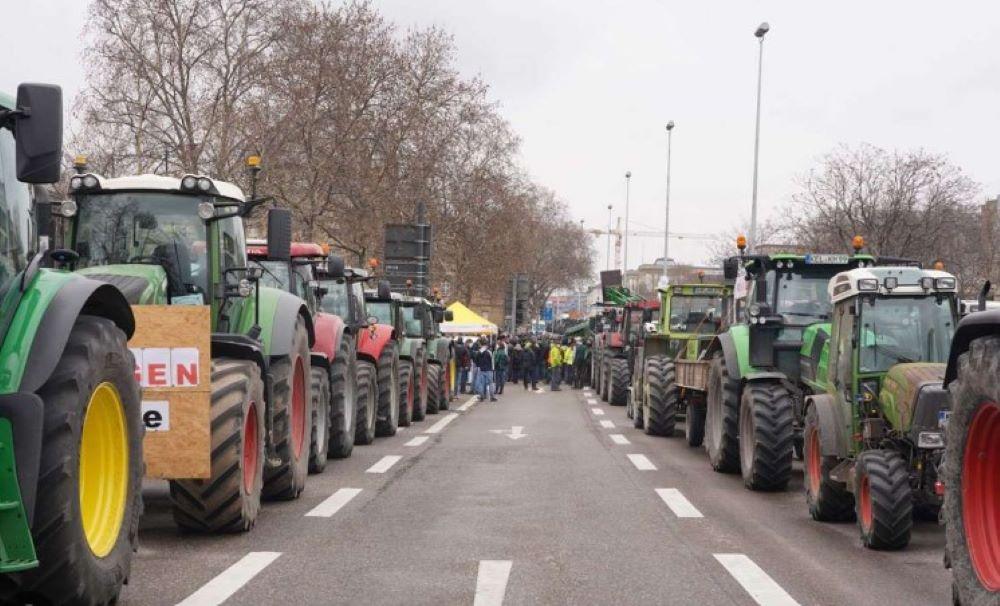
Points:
(762, 29)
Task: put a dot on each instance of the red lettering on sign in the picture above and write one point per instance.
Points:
(187, 374)
(157, 375)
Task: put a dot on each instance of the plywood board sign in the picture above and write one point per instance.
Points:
(173, 364)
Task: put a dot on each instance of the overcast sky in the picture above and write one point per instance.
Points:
(589, 86)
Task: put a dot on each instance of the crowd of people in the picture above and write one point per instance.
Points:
(485, 365)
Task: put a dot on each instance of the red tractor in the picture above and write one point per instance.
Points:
(332, 375)
(620, 333)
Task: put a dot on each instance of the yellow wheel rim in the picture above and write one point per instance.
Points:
(104, 469)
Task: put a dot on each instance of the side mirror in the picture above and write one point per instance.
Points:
(279, 234)
(254, 273)
(384, 289)
(982, 295)
(322, 291)
(449, 315)
(335, 266)
(39, 131)
(731, 268)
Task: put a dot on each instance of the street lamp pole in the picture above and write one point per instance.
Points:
(611, 227)
(761, 30)
(666, 224)
(628, 181)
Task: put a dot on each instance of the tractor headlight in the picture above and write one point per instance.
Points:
(206, 210)
(944, 283)
(930, 439)
(76, 183)
(90, 181)
(245, 288)
(67, 208)
(189, 182)
(926, 283)
(204, 184)
(868, 284)
(891, 282)
(754, 310)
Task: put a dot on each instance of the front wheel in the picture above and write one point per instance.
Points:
(292, 418)
(618, 388)
(319, 444)
(343, 400)
(694, 424)
(388, 391)
(407, 404)
(434, 403)
(828, 501)
(660, 402)
(767, 430)
(89, 486)
(722, 414)
(884, 500)
(367, 381)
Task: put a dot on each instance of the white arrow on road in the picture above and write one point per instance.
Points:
(515, 432)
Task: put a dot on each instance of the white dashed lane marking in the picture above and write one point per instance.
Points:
(222, 587)
(597, 411)
(641, 462)
(606, 424)
(441, 424)
(417, 441)
(384, 464)
(333, 503)
(678, 503)
(618, 438)
(761, 587)
(491, 582)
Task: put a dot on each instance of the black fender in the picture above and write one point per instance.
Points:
(833, 442)
(729, 354)
(972, 326)
(77, 297)
(240, 347)
(287, 311)
(318, 359)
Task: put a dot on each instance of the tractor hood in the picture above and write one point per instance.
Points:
(912, 397)
(141, 284)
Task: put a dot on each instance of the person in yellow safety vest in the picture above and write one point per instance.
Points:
(555, 366)
(567, 361)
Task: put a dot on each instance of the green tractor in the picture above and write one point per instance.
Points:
(414, 359)
(754, 411)
(441, 356)
(225, 361)
(874, 423)
(71, 429)
(674, 372)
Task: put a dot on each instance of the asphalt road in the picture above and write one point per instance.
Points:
(562, 514)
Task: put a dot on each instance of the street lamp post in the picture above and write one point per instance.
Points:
(611, 227)
(666, 223)
(628, 180)
(761, 30)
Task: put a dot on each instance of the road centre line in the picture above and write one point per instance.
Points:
(468, 404)
(384, 464)
(222, 587)
(618, 438)
(491, 582)
(761, 587)
(333, 503)
(678, 503)
(597, 411)
(606, 424)
(641, 462)
(437, 427)
(591, 400)
(417, 441)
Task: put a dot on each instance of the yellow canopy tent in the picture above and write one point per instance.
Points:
(467, 322)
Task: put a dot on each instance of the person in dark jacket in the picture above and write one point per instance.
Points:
(500, 362)
(542, 360)
(483, 360)
(463, 358)
(528, 366)
(515, 363)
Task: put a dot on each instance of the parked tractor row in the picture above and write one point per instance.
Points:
(156, 339)
(855, 364)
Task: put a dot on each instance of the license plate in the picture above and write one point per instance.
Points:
(827, 259)
(943, 417)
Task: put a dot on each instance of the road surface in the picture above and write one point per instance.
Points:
(541, 498)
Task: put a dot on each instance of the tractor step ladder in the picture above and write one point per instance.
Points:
(17, 550)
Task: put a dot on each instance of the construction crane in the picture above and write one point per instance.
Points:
(618, 233)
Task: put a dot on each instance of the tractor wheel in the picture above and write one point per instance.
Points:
(421, 396)
(618, 389)
(442, 390)
(972, 466)
(388, 392)
(229, 501)
(767, 430)
(659, 408)
(433, 389)
(367, 396)
(292, 417)
(694, 423)
(89, 486)
(722, 418)
(828, 501)
(319, 444)
(407, 405)
(606, 380)
(343, 400)
(883, 499)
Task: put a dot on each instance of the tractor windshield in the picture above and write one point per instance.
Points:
(275, 274)
(381, 310)
(897, 330)
(153, 228)
(16, 222)
(801, 298)
(335, 300)
(695, 314)
(411, 321)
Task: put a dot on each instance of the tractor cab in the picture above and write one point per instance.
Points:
(890, 336)
(295, 275)
(384, 307)
(341, 291)
(691, 316)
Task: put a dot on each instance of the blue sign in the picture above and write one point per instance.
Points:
(548, 314)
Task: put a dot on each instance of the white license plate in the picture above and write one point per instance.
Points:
(827, 259)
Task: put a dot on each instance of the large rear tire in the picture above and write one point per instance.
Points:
(767, 431)
(972, 465)
(388, 391)
(828, 501)
(292, 417)
(85, 543)
(620, 376)
(694, 421)
(442, 390)
(722, 418)
(229, 500)
(433, 392)
(659, 409)
(319, 444)
(367, 381)
(420, 404)
(407, 403)
(343, 400)
(884, 500)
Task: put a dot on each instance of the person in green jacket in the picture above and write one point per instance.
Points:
(567, 361)
(555, 366)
